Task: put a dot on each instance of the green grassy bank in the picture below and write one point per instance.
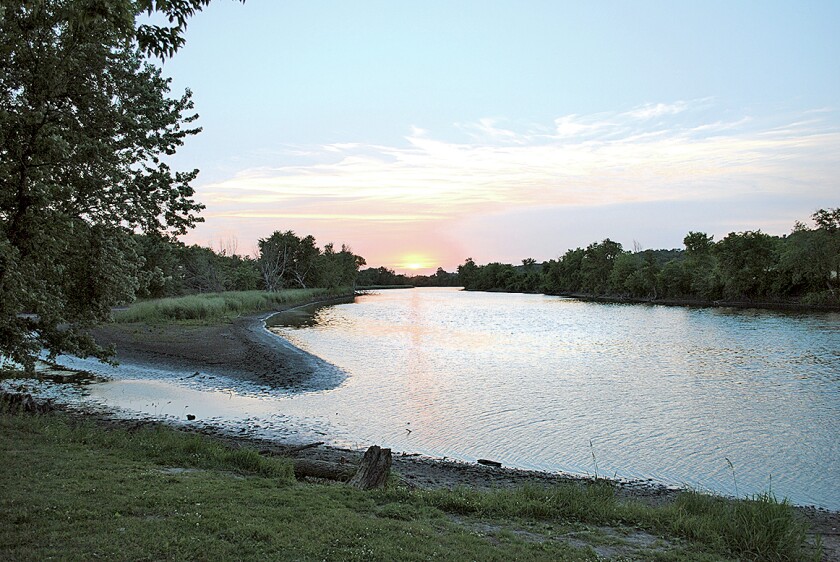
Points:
(79, 491)
(220, 307)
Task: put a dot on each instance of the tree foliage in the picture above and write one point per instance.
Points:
(287, 260)
(748, 266)
(86, 125)
(383, 276)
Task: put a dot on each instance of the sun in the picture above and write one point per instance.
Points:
(414, 262)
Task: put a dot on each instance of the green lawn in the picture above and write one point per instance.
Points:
(73, 490)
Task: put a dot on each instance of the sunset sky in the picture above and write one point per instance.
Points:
(422, 133)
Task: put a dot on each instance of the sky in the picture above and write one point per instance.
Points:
(423, 133)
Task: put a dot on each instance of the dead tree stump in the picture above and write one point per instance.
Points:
(374, 470)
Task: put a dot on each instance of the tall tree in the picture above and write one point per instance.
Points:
(597, 264)
(86, 124)
(338, 268)
(747, 261)
(701, 265)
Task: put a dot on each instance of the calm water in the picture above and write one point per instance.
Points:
(546, 382)
(670, 394)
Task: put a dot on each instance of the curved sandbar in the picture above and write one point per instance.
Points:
(243, 350)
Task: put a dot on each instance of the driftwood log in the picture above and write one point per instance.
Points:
(371, 473)
(323, 469)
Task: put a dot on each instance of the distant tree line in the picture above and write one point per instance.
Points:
(285, 260)
(750, 266)
(385, 277)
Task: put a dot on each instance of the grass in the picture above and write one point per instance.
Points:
(760, 528)
(218, 307)
(75, 490)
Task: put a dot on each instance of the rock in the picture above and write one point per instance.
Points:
(190, 417)
(486, 462)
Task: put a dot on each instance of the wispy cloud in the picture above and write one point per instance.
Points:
(654, 110)
(656, 152)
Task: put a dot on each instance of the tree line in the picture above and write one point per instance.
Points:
(801, 267)
(284, 260)
(385, 277)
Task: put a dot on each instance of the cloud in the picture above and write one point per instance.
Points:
(651, 111)
(679, 152)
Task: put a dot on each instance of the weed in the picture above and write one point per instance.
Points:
(734, 481)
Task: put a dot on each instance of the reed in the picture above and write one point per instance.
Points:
(218, 307)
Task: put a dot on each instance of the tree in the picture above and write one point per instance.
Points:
(828, 220)
(747, 261)
(597, 264)
(701, 265)
(305, 257)
(338, 269)
(86, 124)
(276, 256)
(468, 273)
(809, 260)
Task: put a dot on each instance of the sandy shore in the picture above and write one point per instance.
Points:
(246, 350)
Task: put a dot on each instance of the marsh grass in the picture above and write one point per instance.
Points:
(758, 528)
(77, 490)
(219, 307)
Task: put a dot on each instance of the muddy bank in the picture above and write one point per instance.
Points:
(242, 349)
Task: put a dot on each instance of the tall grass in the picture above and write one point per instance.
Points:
(757, 528)
(760, 528)
(217, 307)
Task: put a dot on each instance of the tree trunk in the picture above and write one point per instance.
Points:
(374, 470)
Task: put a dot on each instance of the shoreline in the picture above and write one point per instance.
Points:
(243, 349)
(689, 303)
(419, 472)
(277, 362)
(246, 350)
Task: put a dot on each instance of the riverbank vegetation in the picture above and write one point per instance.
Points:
(385, 277)
(221, 307)
(749, 267)
(283, 261)
(78, 490)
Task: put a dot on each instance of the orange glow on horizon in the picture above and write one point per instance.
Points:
(415, 264)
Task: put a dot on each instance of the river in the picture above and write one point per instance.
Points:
(731, 401)
(715, 399)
